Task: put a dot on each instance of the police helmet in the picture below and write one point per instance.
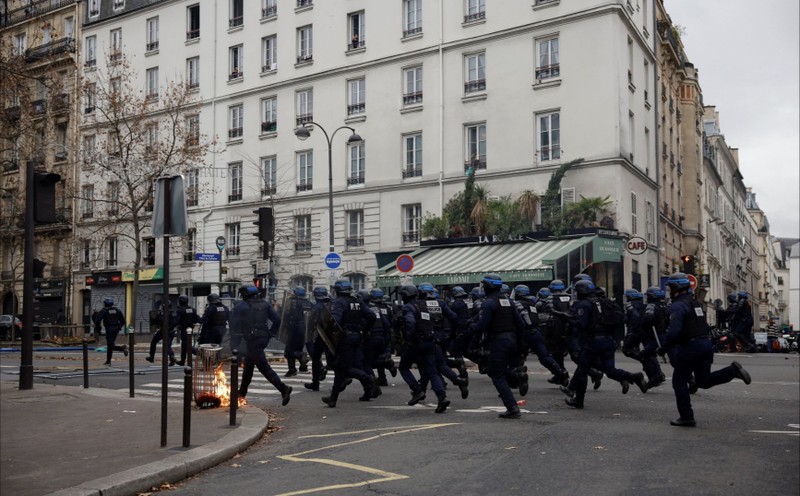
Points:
(654, 293)
(407, 292)
(109, 302)
(504, 289)
(435, 293)
(557, 286)
(633, 295)
(458, 292)
(732, 298)
(522, 290)
(213, 298)
(299, 291)
(320, 293)
(364, 294)
(492, 281)
(600, 292)
(742, 295)
(678, 282)
(543, 293)
(376, 294)
(247, 290)
(426, 289)
(342, 286)
(585, 288)
(183, 300)
(581, 277)
(477, 293)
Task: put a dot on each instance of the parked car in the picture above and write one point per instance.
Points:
(7, 322)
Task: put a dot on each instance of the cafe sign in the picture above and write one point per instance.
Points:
(636, 245)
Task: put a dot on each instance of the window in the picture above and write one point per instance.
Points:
(118, 4)
(567, 196)
(232, 243)
(549, 142)
(650, 222)
(269, 8)
(193, 130)
(149, 251)
(304, 282)
(94, 8)
(91, 51)
(355, 229)
(87, 201)
(236, 13)
(646, 72)
(152, 82)
(189, 244)
(88, 149)
(302, 233)
(193, 22)
(412, 9)
(151, 139)
(20, 44)
(412, 216)
(412, 82)
(193, 72)
(630, 62)
(634, 220)
(69, 27)
(116, 45)
(305, 106)
(412, 161)
(152, 34)
(358, 281)
(235, 62)
(305, 45)
(269, 48)
(111, 251)
(357, 37)
(234, 181)
(356, 170)
(116, 85)
(192, 187)
(305, 170)
(269, 115)
(236, 122)
(475, 10)
(475, 152)
(113, 198)
(547, 65)
(356, 101)
(86, 254)
(90, 97)
(270, 167)
(475, 72)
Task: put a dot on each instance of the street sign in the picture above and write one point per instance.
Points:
(333, 260)
(220, 243)
(405, 263)
(692, 281)
(207, 257)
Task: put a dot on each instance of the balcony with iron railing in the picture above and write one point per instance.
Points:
(478, 164)
(235, 74)
(474, 86)
(356, 109)
(477, 16)
(304, 186)
(356, 44)
(234, 197)
(667, 32)
(412, 171)
(269, 126)
(306, 58)
(188, 256)
(411, 237)
(153, 45)
(354, 242)
(192, 34)
(39, 106)
(61, 102)
(31, 9)
(235, 22)
(235, 132)
(90, 63)
(268, 190)
(411, 32)
(302, 245)
(111, 262)
(548, 71)
(355, 179)
(268, 12)
(412, 98)
(305, 3)
(232, 251)
(304, 119)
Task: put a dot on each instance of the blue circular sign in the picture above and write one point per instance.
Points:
(333, 260)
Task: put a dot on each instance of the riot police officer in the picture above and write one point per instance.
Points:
(316, 345)
(688, 333)
(502, 327)
(158, 335)
(214, 321)
(376, 345)
(419, 347)
(353, 317)
(636, 336)
(598, 346)
(654, 330)
(113, 320)
(295, 313)
(532, 337)
(186, 317)
(742, 323)
(250, 319)
(461, 307)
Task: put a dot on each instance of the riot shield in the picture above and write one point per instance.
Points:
(311, 325)
(329, 330)
(287, 313)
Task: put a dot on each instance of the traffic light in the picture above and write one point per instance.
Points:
(688, 264)
(44, 197)
(265, 224)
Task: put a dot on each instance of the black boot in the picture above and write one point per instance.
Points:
(638, 379)
(523, 381)
(463, 386)
(286, 395)
(314, 386)
(330, 400)
(625, 386)
(569, 392)
(574, 403)
(383, 382)
(513, 413)
(416, 397)
(740, 372)
(442, 405)
(597, 378)
(681, 422)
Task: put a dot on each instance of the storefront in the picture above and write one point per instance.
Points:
(102, 285)
(48, 303)
(151, 290)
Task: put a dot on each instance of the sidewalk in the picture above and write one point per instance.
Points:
(68, 441)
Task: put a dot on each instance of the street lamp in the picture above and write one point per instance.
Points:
(303, 132)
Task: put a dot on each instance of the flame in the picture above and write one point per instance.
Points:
(221, 388)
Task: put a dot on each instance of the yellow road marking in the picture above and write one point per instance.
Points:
(382, 476)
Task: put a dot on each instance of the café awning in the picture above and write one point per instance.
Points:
(529, 261)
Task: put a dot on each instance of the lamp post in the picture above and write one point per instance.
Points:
(303, 132)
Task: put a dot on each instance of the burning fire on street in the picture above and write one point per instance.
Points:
(218, 392)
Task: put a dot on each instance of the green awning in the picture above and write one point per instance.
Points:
(531, 261)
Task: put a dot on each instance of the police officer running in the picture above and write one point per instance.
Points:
(376, 344)
(353, 317)
(532, 337)
(250, 319)
(742, 323)
(214, 321)
(113, 320)
(296, 312)
(688, 333)
(186, 317)
(158, 335)
(316, 346)
(655, 321)
(638, 334)
(502, 326)
(461, 307)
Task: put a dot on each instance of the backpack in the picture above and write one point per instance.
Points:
(611, 316)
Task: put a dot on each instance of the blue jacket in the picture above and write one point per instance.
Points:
(489, 307)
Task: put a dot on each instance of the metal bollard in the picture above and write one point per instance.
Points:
(190, 336)
(85, 363)
(234, 386)
(187, 406)
(131, 345)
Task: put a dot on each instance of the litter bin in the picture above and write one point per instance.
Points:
(211, 388)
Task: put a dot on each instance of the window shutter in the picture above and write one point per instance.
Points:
(567, 196)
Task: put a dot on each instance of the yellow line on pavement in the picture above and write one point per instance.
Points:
(383, 476)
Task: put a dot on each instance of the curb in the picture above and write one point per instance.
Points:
(250, 428)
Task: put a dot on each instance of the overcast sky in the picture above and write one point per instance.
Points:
(748, 55)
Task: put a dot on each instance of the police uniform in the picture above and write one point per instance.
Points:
(250, 319)
(376, 341)
(214, 322)
(296, 315)
(534, 340)
(186, 317)
(743, 324)
(317, 346)
(113, 320)
(444, 320)
(158, 336)
(688, 333)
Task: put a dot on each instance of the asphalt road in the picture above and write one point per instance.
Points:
(747, 440)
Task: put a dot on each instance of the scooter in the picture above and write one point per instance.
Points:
(721, 339)
(791, 342)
